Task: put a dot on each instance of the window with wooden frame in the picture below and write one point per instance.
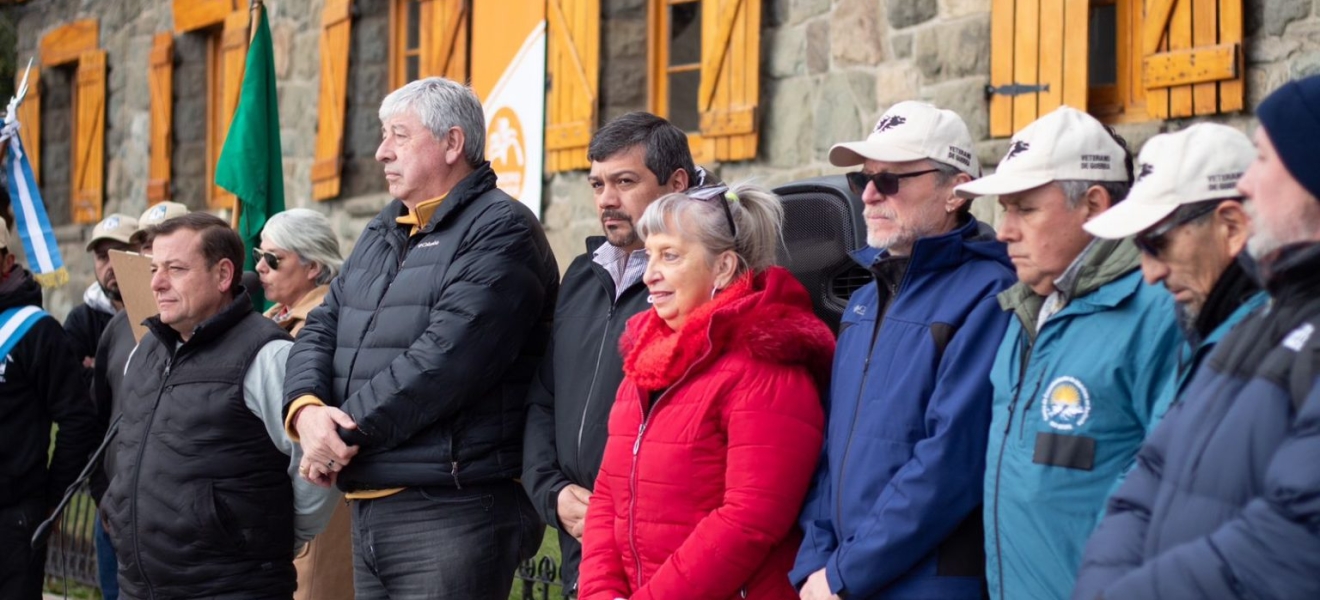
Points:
(428, 38)
(224, 26)
(74, 45)
(572, 63)
(704, 73)
(1121, 60)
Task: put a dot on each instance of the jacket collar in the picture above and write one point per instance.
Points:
(19, 289)
(208, 330)
(479, 181)
(939, 252)
(1231, 291)
(304, 306)
(1292, 271)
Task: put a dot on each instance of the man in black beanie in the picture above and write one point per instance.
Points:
(1223, 502)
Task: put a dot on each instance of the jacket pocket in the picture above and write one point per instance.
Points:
(1067, 451)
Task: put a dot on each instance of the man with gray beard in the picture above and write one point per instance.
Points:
(895, 505)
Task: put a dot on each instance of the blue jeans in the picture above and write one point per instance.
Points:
(443, 543)
(107, 566)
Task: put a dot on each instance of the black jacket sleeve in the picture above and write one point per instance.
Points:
(66, 400)
(542, 476)
(490, 304)
(310, 366)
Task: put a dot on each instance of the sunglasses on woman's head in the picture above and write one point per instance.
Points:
(272, 261)
(885, 182)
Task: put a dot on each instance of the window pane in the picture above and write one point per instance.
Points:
(683, 100)
(1103, 46)
(414, 25)
(685, 34)
(411, 68)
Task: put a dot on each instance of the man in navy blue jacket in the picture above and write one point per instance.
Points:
(894, 510)
(1223, 502)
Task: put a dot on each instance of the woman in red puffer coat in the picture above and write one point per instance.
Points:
(718, 424)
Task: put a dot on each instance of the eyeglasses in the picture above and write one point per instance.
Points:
(885, 182)
(720, 194)
(272, 261)
(1155, 240)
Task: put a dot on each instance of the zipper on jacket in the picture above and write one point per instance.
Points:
(137, 476)
(637, 447)
(595, 374)
(999, 463)
(857, 408)
(453, 465)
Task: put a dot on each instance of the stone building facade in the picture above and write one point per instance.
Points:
(829, 68)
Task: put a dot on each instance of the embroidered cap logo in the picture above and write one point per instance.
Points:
(1017, 148)
(889, 122)
(1146, 169)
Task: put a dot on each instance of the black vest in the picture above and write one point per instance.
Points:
(200, 503)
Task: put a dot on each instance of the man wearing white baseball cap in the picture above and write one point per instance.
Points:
(895, 506)
(1222, 503)
(1084, 365)
(1186, 216)
(155, 215)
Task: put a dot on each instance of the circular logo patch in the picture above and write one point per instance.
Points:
(505, 151)
(1066, 405)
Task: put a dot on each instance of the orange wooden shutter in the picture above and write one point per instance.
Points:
(336, 23)
(89, 137)
(191, 15)
(1038, 61)
(68, 42)
(160, 82)
(573, 59)
(730, 78)
(1193, 57)
(29, 118)
(444, 39)
(233, 58)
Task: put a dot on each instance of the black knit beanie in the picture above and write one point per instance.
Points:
(1291, 117)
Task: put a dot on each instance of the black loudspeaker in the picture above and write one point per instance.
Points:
(822, 224)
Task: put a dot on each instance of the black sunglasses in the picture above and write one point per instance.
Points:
(717, 194)
(885, 182)
(1156, 239)
(272, 261)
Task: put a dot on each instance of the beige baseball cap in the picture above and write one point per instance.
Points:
(115, 227)
(157, 214)
(912, 130)
(1202, 162)
(1065, 145)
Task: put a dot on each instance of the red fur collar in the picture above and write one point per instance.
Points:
(767, 316)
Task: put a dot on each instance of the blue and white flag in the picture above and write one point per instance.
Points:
(33, 224)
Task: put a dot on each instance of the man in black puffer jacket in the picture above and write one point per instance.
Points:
(407, 387)
(1225, 498)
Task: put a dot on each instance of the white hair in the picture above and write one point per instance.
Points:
(758, 216)
(441, 104)
(306, 233)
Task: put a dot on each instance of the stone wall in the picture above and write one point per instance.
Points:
(830, 68)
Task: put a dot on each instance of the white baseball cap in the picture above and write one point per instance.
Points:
(1065, 145)
(115, 227)
(1202, 162)
(912, 130)
(4, 234)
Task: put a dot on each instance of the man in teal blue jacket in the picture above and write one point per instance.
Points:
(1189, 223)
(1085, 363)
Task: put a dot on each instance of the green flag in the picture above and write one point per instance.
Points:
(251, 166)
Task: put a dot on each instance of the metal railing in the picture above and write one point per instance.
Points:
(71, 547)
(540, 579)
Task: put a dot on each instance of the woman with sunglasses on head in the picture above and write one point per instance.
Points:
(718, 423)
(298, 257)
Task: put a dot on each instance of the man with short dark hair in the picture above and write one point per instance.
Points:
(38, 386)
(1086, 362)
(635, 159)
(1222, 503)
(407, 387)
(205, 500)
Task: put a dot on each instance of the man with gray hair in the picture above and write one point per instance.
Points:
(406, 388)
